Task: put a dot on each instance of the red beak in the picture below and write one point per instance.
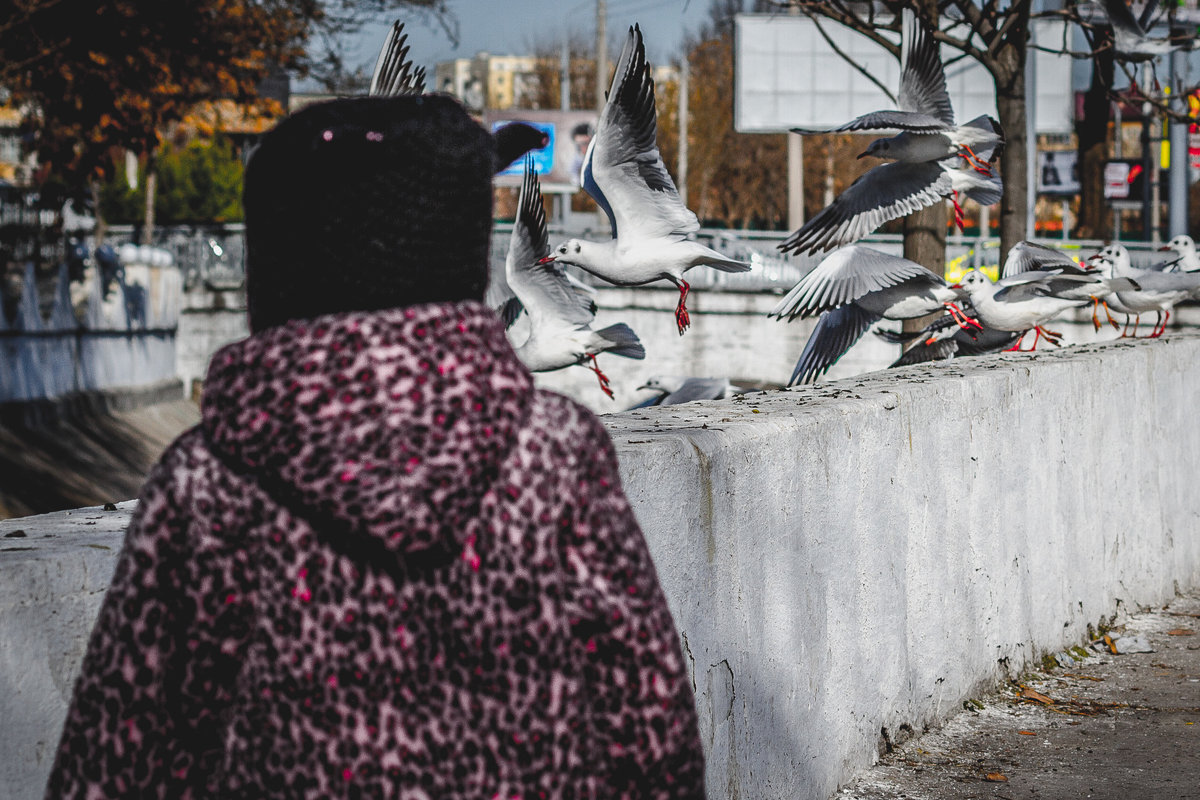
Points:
(956, 286)
(1163, 249)
(545, 260)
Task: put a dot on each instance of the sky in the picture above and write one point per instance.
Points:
(516, 26)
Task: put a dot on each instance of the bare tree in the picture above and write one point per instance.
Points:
(994, 34)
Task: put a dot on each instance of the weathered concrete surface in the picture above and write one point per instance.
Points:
(868, 553)
(54, 570)
(1111, 727)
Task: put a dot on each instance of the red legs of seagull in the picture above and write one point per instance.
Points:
(958, 212)
(682, 318)
(975, 161)
(600, 376)
(962, 319)
(1016, 348)
(1096, 303)
(1161, 326)
(1053, 337)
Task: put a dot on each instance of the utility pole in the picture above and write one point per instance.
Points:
(1177, 188)
(601, 52)
(683, 129)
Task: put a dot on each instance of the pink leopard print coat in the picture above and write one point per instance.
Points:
(383, 566)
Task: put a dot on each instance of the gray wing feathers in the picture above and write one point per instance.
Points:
(835, 333)
(845, 276)
(922, 77)
(1027, 256)
(394, 74)
(543, 289)
(886, 192)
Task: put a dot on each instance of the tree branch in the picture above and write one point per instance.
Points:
(846, 57)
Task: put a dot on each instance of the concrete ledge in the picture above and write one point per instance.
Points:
(845, 562)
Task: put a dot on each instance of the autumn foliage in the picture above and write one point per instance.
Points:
(101, 74)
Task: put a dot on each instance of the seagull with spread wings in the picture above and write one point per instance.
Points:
(394, 73)
(623, 171)
(560, 313)
(853, 289)
(925, 118)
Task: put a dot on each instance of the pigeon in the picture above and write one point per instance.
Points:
(394, 74)
(1023, 301)
(925, 117)
(1131, 39)
(887, 192)
(560, 314)
(1025, 256)
(624, 173)
(853, 289)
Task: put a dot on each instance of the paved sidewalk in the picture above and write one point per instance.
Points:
(1110, 727)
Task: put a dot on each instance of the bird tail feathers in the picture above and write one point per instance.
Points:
(727, 265)
(624, 341)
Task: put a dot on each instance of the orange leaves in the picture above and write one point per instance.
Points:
(1034, 696)
(1181, 632)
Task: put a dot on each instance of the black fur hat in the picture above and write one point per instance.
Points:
(369, 203)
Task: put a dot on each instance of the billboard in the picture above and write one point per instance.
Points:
(559, 162)
(786, 75)
(1058, 172)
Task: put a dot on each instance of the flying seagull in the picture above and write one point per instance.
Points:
(887, 192)
(560, 314)
(624, 173)
(853, 289)
(394, 73)
(1131, 38)
(925, 118)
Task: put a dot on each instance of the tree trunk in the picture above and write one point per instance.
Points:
(1010, 101)
(925, 243)
(151, 185)
(101, 228)
(1092, 132)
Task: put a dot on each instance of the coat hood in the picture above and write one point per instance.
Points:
(391, 424)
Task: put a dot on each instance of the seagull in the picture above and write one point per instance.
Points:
(1157, 291)
(676, 389)
(1023, 301)
(1131, 39)
(890, 191)
(945, 338)
(1184, 247)
(925, 117)
(853, 289)
(624, 173)
(1026, 256)
(560, 314)
(394, 74)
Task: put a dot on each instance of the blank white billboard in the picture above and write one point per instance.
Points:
(786, 75)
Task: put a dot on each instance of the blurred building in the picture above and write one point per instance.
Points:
(489, 81)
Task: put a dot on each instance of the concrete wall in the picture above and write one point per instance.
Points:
(841, 560)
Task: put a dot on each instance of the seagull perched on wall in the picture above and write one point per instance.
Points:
(560, 314)
(853, 289)
(1184, 248)
(1024, 301)
(1157, 291)
(925, 117)
(675, 389)
(394, 73)
(1088, 284)
(624, 173)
